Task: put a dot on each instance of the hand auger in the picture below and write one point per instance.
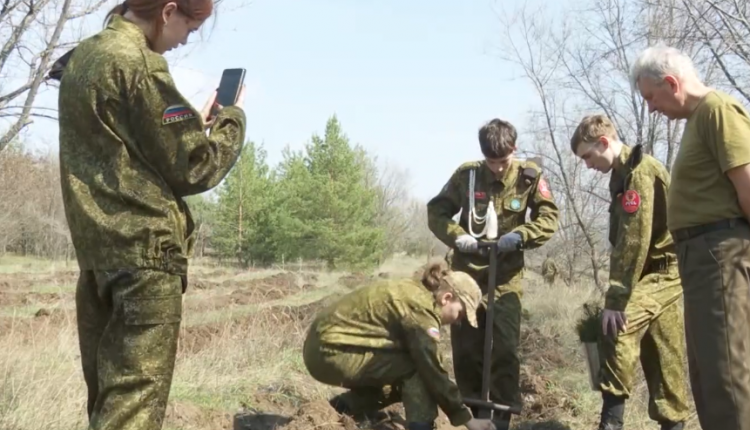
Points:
(484, 405)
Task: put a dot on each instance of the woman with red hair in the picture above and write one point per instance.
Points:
(131, 147)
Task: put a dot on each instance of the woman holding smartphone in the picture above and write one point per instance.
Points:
(131, 147)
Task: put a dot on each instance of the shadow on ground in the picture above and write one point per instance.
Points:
(259, 421)
(542, 425)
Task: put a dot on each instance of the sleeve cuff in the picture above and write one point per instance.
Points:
(455, 233)
(234, 113)
(615, 303)
(460, 417)
(524, 236)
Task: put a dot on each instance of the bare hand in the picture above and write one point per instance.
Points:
(614, 320)
(479, 424)
(207, 113)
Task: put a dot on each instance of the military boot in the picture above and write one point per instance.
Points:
(613, 410)
(421, 426)
(668, 425)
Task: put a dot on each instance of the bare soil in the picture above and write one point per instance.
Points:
(233, 292)
(540, 355)
(187, 415)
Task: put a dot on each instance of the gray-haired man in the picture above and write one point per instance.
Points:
(708, 206)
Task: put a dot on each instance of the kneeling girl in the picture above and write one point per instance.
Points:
(386, 335)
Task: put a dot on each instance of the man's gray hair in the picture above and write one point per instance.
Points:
(658, 61)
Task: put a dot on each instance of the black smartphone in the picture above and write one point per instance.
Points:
(229, 88)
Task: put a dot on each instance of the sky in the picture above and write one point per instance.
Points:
(411, 81)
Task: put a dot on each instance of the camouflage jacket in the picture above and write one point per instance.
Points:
(641, 242)
(394, 315)
(522, 188)
(131, 146)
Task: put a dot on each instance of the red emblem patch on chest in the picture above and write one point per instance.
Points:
(543, 188)
(631, 201)
(477, 194)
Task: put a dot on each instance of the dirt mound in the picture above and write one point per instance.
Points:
(15, 283)
(26, 281)
(248, 292)
(201, 303)
(284, 315)
(189, 416)
(354, 280)
(277, 286)
(18, 298)
(540, 354)
(45, 298)
(194, 339)
(200, 283)
(269, 288)
(10, 299)
(55, 315)
(280, 318)
(27, 330)
(243, 297)
(318, 415)
(542, 349)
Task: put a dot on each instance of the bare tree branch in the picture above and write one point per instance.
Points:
(36, 34)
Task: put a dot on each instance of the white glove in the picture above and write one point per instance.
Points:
(480, 424)
(466, 243)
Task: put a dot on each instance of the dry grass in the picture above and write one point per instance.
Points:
(239, 366)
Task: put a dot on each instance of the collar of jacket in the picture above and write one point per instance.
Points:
(623, 159)
(508, 179)
(121, 25)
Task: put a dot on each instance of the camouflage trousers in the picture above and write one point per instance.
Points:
(467, 342)
(656, 338)
(128, 328)
(467, 345)
(375, 378)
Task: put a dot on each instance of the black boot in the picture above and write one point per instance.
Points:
(421, 426)
(668, 425)
(613, 410)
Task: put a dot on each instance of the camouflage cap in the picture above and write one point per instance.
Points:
(468, 291)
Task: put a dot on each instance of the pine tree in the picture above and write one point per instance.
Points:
(243, 211)
(340, 210)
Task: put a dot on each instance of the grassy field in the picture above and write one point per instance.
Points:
(239, 364)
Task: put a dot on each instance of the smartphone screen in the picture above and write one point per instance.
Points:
(229, 88)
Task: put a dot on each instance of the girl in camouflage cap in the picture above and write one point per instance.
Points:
(382, 342)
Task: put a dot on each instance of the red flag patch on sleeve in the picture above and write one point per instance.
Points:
(543, 188)
(631, 201)
(176, 113)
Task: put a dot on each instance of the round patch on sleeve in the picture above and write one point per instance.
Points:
(631, 201)
(543, 188)
(434, 332)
